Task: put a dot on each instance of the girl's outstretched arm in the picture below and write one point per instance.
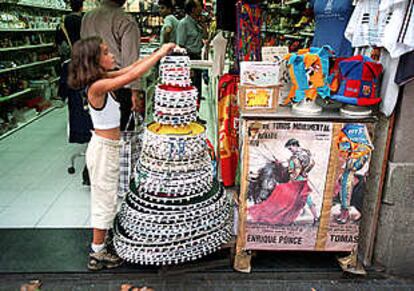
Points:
(138, 69)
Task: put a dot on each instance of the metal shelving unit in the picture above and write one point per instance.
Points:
(40, 114)
(42, 7)
(54, 80)
(15, 95)
(29, 65)
(26, 47)
(16, 32)
(27, 29)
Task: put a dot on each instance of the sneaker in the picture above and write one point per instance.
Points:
(103, 260)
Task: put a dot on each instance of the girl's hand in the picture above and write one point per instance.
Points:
(167, 48)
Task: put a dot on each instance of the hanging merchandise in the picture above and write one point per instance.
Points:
(405, 70)
(228, 127)
(226, 13)
(219, 44)
(359, 81)
(392, 34)
(309, 71)
(362, 29)
(383, 23)
(176, 210)
(249, 23)
(331, 18)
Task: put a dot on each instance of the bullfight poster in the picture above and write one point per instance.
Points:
(354, 154)
(300, 183)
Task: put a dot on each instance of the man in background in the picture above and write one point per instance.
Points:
(68, 32)
(168, 30)
(190, 34)
(120, 32)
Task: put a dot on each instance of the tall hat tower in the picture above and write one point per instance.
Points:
(176, 210)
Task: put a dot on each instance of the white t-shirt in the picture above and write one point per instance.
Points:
(362, 29)
(219, 44)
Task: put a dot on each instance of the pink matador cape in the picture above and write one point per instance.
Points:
(283, 206)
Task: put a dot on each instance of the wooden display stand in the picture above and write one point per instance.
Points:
(317, 224)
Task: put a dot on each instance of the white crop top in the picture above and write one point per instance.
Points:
(109, 116)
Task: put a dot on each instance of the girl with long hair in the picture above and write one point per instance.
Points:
(91, 69)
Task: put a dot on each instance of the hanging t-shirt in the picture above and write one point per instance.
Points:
(391, 18)
(406, 35)
(362, 29)
(389, 89)
(172, 22)
(219, 44)
(331, 19)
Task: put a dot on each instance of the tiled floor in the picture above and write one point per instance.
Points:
(36, 190)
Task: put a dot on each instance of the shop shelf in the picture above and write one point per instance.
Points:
(15, 95)
(27, 29)
(294, 2)
(294, 36)
(304, 33)
(286, 113)
(274, 31)
(27, 122)
(25, 47)
(43, 7)
(29, 65)
(29, 5)
(54, 80)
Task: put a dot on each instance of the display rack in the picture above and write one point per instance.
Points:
(27, 29)
(15, 95)
(26, 47)
(43, 113)
(286, 113)
(287, 24)
(34, 64)
(42, 7)
(27, 40)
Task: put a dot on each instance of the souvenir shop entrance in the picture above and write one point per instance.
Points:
(279, 166)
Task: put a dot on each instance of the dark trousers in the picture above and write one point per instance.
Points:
(197, 75)
(123, 96)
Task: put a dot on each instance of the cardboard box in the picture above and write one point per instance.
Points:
(258, 99)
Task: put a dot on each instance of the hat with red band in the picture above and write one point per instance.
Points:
(359, 81)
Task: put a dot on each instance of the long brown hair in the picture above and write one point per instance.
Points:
(85, 68)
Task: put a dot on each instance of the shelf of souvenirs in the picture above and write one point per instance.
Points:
(15, 95)
(274, 31)
(26, 47)
(292, 2)
(54, 80)
(27, 29)
(307, 33)
(25, 66)
(286, 35)
(286, 113)
(31, 5)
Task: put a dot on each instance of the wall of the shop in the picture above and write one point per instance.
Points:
(395, 237)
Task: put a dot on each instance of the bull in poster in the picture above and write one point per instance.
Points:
(287, 168)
